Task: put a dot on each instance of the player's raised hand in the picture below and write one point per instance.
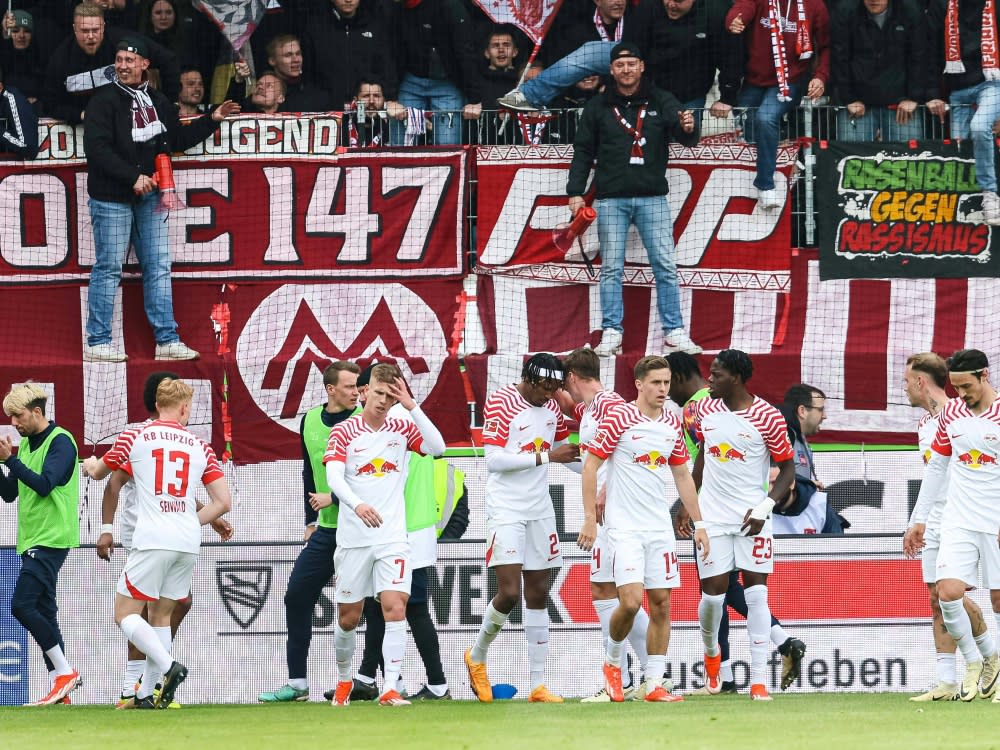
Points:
(566, 453)
(369, 515)
(320, 500)
(913, 540)
(223, 528)
(401, 392)
(701, 543)
(752, 526)
(105, 546)
(588, 533)
(6, 448)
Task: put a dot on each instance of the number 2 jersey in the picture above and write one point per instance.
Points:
(737, 449)
(639, 453)
(513, 425)
(165, 460)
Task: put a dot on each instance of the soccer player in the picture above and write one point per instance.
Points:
(641, 439)
(119, 493)
(924, 380)
(523, 430)
(687, 388)
(964, 459)
(740, 435)
(165, 460)
(591, 404)
(366, 465)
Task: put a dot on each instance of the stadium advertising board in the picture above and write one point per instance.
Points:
(724, 239)
(901, 210)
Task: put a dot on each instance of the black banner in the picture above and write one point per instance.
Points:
(886, 210)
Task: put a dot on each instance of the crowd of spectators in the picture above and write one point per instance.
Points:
(439, 66)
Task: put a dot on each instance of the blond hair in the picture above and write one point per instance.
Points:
(930, 364)
(172, 393)
(385, 373)
(88, 10)
(26, 396)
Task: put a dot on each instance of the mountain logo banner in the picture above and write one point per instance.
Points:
(890, 211)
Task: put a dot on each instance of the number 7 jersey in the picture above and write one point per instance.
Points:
(165, 460)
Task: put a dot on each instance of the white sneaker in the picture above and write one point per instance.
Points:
(769, 199)
(611, 343)
(103, 353)
(988, 679)
(991, 209)
(943, 691)
(678, 340)
(516, 101)
(969, 689)
(175, 350)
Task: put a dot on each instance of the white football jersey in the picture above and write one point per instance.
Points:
(165, 461)
(375, 469)
(639, 452)
(737, 447)
(128, 512)
(590, 417)
(973, 443)
(927, 428)
(511, 423)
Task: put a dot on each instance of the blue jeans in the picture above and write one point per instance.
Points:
(313, 569)
(986, 98)
(651, 216)
(878, 119)
(115, 225)
(441, 97)
(590, 59)
(762, 126)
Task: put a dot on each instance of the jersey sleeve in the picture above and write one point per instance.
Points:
(496, 422)
(679, 454)
(336, 447)
(776, 437)
(414, 439)
(609, 432)
(118, 456)
(578, 410)
(942, 440)
(213, 470)
(562, 429)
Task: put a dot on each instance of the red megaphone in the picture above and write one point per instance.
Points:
(564, 235)
(164, 176)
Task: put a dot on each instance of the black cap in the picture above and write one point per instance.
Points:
(366, 374)
(625, 49)
(133, 45)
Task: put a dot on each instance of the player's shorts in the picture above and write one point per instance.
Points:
(152, 574)
(731, 549)
(602, 558)
(534, 545)
(964, 553)
(646, 557)
(929, 555)
(367, 571)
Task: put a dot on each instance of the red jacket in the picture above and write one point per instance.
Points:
(760, 58)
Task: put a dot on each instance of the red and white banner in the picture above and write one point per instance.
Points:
(533, 17)
(725, 240)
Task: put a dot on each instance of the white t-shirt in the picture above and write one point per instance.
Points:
(165, 460)
(737, 447)
(513, 425)
(927, 428)
(640, 452)
(375, 469)
(590, 417)
(973, 443)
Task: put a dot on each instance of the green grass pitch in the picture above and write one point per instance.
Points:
(802, 722)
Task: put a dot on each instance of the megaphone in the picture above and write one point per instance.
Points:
(164, 176)
(564, 235)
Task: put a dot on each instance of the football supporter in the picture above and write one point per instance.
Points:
(924, 380)
(740, 435)
(591, 405)
(523, 430)
(119, 493)
(164, 459)
(43, 477)
(366, 468)
(963, 468)
(687, 388)
(314, 568)
(641, 440)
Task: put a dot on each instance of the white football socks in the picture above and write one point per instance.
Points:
(133, 671)
(709, 617)
(344, 642)
(758, 629)
(957, 621)
(637, 637)
(945, 668)
(144, 637)
(393, 648)
(493, 620)
(536, 631)
(59, 664)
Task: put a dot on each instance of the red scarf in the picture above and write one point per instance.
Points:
(778, 50)
(603, 32)
(803, 39)
(636, 156)
(987, 42)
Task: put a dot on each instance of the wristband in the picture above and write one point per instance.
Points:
(699, 525)
(108, 528)
(545, 458)
(761, 511)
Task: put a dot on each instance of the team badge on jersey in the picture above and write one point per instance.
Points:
(377, 467)
(724, 452)
(538, 445)
(653, 460)
(975, 459)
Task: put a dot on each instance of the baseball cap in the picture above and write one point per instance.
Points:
(22, 18)
(366, 374)
(625, 49)
(133, 45)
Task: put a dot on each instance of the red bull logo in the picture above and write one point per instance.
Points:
(377, 467)
(975, 459)
(538, 445)
(652, 460)
(927, 456)
(724, 452)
